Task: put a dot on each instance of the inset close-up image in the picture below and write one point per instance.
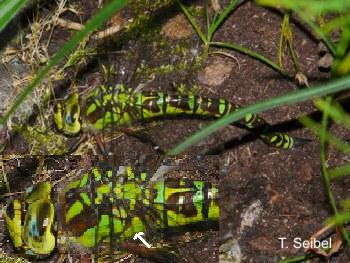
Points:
(174, 131)
(94, 209)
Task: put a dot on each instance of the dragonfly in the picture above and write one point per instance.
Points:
(101, 210)
(118, 105)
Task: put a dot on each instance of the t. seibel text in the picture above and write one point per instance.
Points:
(306, 244)
(312, 243)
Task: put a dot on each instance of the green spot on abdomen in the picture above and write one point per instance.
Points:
(74, 210)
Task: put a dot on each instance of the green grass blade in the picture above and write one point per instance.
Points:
(318, 31)
(296, 259)
(8, 9)
(193, 22)
(338, 219)
(290, 98)
(217, 22)
(90, 26)
(306, 10)
(336, 112)
(327, 180)
(339, 144)
(313, 7)
(335, 23)
(339, 172)
(345, 204)
(207, 18)
(341, 63)
(251, 54)
(323, 131)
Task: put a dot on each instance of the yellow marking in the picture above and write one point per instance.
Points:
(74, 210)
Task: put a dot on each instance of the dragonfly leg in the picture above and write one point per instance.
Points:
(84, 137)
(76, 144)
(100, 144)
(142, 136)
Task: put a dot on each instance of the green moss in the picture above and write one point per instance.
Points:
(42, 140)
(143, 11)
(7, 259)
(187, 90)
(168, 57)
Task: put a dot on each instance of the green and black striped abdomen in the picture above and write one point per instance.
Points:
(117, 105)
(161, 104)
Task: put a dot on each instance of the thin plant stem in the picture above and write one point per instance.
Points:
(193, 22)
(8, 9)
(298, 258)
(281, 45)
(290, 43)
(315, 127)
(251, 54)
(217, 22)
(318, 31)
(339, 172)
(287, 37)
(326, 177)
(207, 17)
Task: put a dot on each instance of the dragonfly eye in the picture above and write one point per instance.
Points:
(37, 228)
(30, 229)
(41, 221)
(67, 116)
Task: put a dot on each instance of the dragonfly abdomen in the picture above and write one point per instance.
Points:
(124, 109)
(119, 105)
(161, 104)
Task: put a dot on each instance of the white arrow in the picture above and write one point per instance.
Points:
(139, 236)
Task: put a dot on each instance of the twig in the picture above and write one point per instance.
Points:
(98, 35)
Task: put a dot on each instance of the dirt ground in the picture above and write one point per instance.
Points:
(265, 193)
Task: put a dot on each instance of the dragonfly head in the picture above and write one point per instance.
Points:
(30, 221)
(67, 116)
